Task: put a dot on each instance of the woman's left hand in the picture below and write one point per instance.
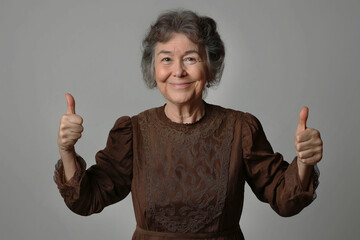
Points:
(309, 147)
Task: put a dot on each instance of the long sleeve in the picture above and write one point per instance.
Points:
(272, 179)
(106, 182)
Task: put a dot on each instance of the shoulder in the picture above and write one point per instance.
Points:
(251, 121)
(122, 128)
(245, 122)
(221, 112)
(132, 123)
(243, 117)
(124, 121)
(148, 115)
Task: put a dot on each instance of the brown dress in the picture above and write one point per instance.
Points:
(186, 180)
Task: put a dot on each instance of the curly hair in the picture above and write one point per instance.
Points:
(199, 29)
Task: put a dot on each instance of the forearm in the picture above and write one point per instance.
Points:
(305, 172)
(69, 161)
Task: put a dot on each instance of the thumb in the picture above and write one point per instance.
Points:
(70, 104)
(304, 113)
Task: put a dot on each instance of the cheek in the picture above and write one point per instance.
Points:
(200, 75)
(160, 79)
(161, 74)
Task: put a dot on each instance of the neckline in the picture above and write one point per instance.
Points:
(203, 120)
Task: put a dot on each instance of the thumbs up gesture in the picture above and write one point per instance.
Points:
(308, 142)
(70, 127)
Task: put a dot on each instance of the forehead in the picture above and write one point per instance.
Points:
(177, 43)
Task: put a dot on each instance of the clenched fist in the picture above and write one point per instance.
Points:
(70, 127)
(309, 147)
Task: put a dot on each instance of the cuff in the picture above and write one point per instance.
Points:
(69, 190)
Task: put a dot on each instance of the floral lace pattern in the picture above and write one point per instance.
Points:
(187, 180)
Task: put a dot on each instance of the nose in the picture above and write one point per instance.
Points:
(179, 70)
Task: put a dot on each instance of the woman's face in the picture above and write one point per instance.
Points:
(180, 70)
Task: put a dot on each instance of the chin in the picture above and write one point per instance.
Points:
(181, 99)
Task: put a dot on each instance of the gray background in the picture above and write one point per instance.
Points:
(281, 55)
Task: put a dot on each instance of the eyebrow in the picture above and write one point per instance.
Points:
(186, 52)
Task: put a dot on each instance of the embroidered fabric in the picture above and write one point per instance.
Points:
(184, 190)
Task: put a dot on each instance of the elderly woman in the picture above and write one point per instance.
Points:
(186, 163)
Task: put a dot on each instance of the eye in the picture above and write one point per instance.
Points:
(189, 60)
(166, 60)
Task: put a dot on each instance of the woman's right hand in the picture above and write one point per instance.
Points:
(69, 132)
(70, 128)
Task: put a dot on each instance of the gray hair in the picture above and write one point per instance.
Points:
(199, 29)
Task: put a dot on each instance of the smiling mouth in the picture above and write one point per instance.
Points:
(181, 85)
